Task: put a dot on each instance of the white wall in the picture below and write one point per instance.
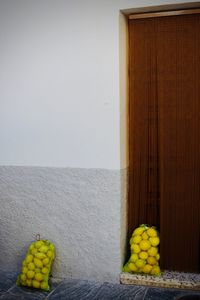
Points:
(59, 82)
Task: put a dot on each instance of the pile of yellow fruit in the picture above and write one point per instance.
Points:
(37, 265)
(144, 251)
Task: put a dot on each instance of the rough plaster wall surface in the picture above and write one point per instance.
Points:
(77, 209)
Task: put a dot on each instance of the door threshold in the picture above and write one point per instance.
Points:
(168, 279)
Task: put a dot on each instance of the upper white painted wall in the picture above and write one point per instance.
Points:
(60, 101)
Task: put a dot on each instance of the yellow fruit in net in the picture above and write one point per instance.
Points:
(44, 285)
(145, 236)
(38, 263)
(31, 247)
(152, 232)
(37, 270)
(126, 268)
(147, 269)
(40, 255)
(24, 270)
(34, 251)
(158, 256)
(31, 266)
(36, 284)
(143, 255)
(24, 263)
(135, 248)
(52, 247)
(136, 239)
(153, 251)
(45, 270)
(30, 274)
(145, 245)
(39, 244)
(29, 282)
(132, 267)
(29, 258)
(134, 257)
(140, 263)
(45, 261)
(155, 271)
(39, 277)
(138, 231)
(43, 249)
(23, 277)
(154, 241)
(152, 260)
(50, 254)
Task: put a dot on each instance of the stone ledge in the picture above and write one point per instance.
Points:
(168, 279)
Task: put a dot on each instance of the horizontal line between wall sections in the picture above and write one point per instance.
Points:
(164, 14)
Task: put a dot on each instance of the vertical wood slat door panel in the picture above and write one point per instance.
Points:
(179, 115)
(165, 135)
(143, 126)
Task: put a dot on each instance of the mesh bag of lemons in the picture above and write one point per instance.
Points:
(37, 265)
(144, 257)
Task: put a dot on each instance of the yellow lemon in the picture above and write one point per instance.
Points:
(145, 244)
(131, 241)
(137, 239)
(23, 277)
(147, 269)
(31, 266)
(152, 232)
(153, 251)
(154, 241)
(138, 231)
(29, 258)
(155, 271)
(126, 268)
(36, 284)
(43, 249)
(140, 263)
(132, 267)
(145, 236)
(143, 255)
(40, 255)
(24, 270)
(158, 256)
(50, 254)
(151, 260)
(34, 251)
(134, 257)
(45, 270)
(38, 263)
(31, 247)
(51, 247)
(37, 270)
(30, 274)
(135, 248)
(24, 263)
(44, 285)
(45, 261)
(39, 277)
(29, 282)
(39, 244)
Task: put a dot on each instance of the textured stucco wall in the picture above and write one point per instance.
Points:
(78, 209)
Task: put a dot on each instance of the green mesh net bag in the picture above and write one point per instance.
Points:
(144, 257)
(37, 265)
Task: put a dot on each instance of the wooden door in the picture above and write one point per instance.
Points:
(164, 187)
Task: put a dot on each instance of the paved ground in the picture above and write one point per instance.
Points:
(86, 290)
